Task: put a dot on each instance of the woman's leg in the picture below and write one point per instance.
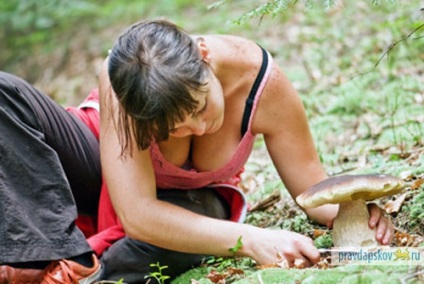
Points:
(77, 148)
(130, 259)
(36, 203)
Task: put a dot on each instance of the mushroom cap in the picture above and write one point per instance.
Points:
(344, 188)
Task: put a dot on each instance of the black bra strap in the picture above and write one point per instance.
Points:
(253, 91)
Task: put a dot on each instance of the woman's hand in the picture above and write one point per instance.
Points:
(275, 246)
(381, 223)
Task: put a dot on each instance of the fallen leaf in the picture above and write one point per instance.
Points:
(323, 263)
(283, 263)
(234, 270)
(318, 233)
(216, 277)
(393, 206)
(299, 263)
(417, 184)
(403, 239)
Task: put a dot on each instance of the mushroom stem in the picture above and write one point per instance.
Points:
(350, 228)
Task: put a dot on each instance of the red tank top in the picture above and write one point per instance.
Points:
(171, 176)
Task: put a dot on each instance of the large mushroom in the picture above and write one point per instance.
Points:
(350, 228)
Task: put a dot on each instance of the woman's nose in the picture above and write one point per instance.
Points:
(199, 128)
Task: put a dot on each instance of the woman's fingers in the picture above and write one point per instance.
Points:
(375, 215)
(299, 251)
(382, 223)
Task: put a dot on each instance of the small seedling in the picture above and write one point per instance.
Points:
(225, 262)
(237, 247)
(158, 275)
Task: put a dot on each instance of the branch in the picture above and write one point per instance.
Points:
(391, 46)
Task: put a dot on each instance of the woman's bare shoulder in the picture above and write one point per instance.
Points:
(234, 45)
(233, 56)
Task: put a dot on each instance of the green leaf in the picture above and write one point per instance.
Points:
(237, 247)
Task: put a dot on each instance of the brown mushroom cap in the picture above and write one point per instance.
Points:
(344, 188)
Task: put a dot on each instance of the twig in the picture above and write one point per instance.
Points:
(343, 171)
(377, 134)
(412, 275)
(309, 71)
(267, 202)
(391, 46)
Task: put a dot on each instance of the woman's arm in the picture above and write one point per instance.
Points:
(290, 144)
(282, 119)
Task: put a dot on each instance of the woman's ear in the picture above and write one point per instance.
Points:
(203, 49)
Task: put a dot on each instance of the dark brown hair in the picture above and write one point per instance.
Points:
(153, 67)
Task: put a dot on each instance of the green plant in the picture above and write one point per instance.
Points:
(158, 275)
(323, 241)
(416, 211)
(222, 263)
(33, 26)
(298, 223)
(236, 247)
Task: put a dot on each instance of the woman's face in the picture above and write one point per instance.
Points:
(209, 115)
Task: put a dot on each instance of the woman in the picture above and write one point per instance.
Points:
(179, 114)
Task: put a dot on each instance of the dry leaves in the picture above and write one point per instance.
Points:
(416, 184)
(393, 206)
(317, 233)
(220, 277)
(404, 239)
(323, 263)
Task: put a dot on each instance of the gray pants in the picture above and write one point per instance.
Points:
(130, 259)
(49, 162)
